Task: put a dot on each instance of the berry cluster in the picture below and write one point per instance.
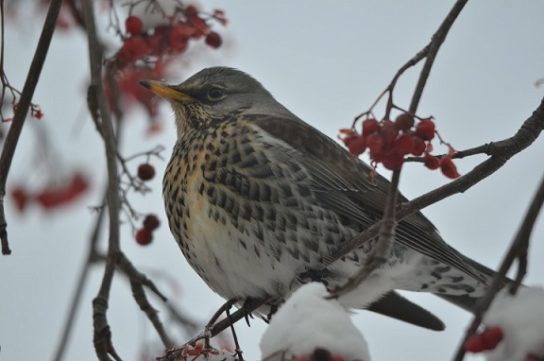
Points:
(485, 341)
(144, 235)
(172, 38)
(148, 52)
(35, 111)
(51, 196)
(390, 142)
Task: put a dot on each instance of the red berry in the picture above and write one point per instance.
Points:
(356, 145)
(404, 121)
(425, 129)
(156, 44)
(370, 126)
(146, 171)
(134, 25)
(375, 144)
(491, 336)
(178, 38)
(389, 132)
(151, 222)
(213, 39)
(37, 114)
(419, 146)
(143, 236)
(191, 10)
(20, 197)
(431, 161)
(448, 168)
(474, 344)
(393, 161)
(134, 48)
(404, 144)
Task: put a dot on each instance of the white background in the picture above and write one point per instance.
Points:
(326, 61)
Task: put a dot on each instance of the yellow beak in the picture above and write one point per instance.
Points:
(166, 91)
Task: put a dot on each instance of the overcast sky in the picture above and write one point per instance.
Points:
(326, 61)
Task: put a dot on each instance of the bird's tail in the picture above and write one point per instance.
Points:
(468, 301)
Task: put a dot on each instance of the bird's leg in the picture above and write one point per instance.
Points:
(235, 338)
(248, 305)
(224, 308)
(273, 310)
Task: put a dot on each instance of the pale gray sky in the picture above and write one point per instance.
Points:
(326, 61)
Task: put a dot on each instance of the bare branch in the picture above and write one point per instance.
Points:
(102, 334)
(22, 110)
(80, 285)
(437, 40)
(518, 249)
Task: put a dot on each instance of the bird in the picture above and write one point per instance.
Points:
(257, 199)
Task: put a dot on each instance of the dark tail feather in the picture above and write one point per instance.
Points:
(396, 306)
(468, 302)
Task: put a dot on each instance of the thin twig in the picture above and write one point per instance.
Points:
(102, 334)
(518, 249)
(437, 40)
(22, 110)
(139, 296)
(80, 285)
(134, 275)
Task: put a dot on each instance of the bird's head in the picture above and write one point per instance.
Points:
(214, 95)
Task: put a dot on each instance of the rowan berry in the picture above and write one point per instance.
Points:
(356, 144)
(448, 168)
(213, 39)
(404, 144)
(419, 146)
(491, 336)
(375, 144)
(370, 126)
(431, 161)
(389, 132)
(134, 25)
(151, 222)
(143, 236)
(393, 161)
(404, 121)
(474, 344)
(425, 129)
(146, 171)
(134, 48)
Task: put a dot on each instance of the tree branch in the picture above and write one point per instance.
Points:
(22, 110)
(518, 249)
(102, 334)
(436, 41)
(80, 285)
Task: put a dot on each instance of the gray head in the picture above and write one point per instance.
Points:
(214, 94)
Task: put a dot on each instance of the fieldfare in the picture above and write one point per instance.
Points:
(256, 197)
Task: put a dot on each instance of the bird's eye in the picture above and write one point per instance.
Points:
(215, 94)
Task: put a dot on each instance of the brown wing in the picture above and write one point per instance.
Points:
(342, 184)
